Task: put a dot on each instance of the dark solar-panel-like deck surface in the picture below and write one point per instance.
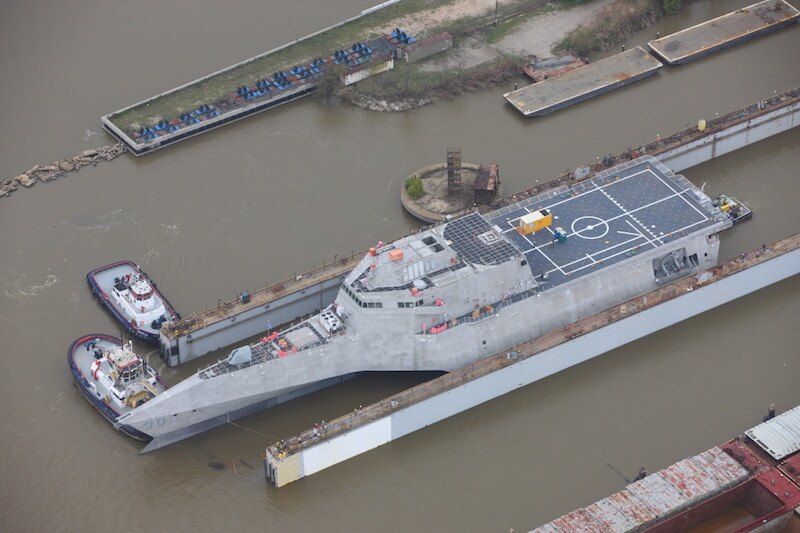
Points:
(618, 214)
(473, 238)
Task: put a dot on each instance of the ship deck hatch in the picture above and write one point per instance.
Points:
(779, 437)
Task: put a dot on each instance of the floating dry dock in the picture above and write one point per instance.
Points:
(584, 82)
(364, 429)
(722, 32)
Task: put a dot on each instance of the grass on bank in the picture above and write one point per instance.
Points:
(212, 89)
(615, 23)
(408, 82)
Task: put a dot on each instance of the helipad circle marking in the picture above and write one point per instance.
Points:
(578, 227)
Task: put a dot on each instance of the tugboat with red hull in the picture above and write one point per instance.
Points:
(129, 294)
(114, 378)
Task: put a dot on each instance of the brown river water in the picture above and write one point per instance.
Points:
(257, 201)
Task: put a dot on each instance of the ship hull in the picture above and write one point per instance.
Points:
(266, 401)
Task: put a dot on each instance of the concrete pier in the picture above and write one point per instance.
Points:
(742, 129)
(583, 83)
(418, 407)
(725, 31)
(140, 147)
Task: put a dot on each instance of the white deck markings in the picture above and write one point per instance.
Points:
(689, 226)
(629, 216)
(703, 215)
(612, 256)
(573, 197)
(625, 212)
(604, 258)
(591, 256)
(640, 233)
(538, 249)
(623, 243)
(644, 227)
(589, 227)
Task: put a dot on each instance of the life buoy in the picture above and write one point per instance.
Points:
(141, 322)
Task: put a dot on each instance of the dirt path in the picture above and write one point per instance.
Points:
(536, 36)
(417, 22)
(539, 34)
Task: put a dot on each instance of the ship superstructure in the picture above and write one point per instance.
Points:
(465, 289)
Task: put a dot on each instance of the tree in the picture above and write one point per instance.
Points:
(671, 6)
(414, 188)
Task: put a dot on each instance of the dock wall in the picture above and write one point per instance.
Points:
(245, 321)
(731, 138)
(687, 299)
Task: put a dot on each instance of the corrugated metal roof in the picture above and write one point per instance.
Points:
(632, 507)
(659, 495)
(721, 466)
(578, 521)
(689, 478)
(779, 437)
(611, 517)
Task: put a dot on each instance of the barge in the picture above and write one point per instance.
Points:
(750, 483)
(583, 83)
(725, 31)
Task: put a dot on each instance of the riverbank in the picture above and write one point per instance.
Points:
(419, 18)
(494, 52)
(493, 39)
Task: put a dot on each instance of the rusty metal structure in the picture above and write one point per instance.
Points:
(454, 183)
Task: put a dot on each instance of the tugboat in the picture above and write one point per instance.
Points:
(114, 378)
(132, 298)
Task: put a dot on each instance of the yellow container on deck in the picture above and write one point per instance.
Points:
(535, 221)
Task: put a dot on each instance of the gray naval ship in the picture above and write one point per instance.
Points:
(462, 290)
